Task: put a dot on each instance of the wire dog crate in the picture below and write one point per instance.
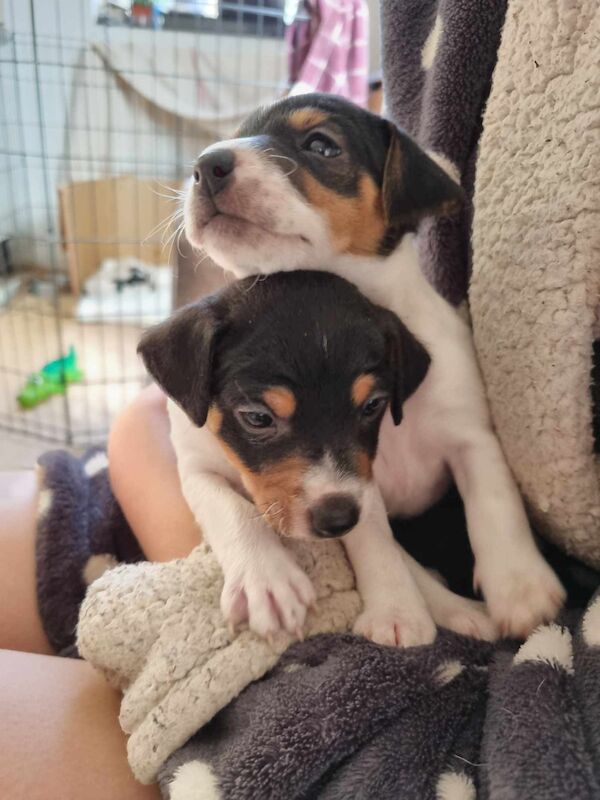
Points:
(103, 107)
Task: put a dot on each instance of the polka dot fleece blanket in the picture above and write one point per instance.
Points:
(334, 717)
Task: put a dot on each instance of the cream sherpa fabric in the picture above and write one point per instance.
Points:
(157, 633)
(536, 260)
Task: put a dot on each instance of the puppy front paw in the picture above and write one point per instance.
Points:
(396, 626)
(271, 593)
(467, 617)
(521, 592)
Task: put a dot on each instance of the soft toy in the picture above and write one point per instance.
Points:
(157, 633)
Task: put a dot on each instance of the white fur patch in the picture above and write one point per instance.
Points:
(550, 644)
(97, 566)
(447, 671)
(292, 667)
(455, 786)
(194, 781)
(444, 163)
(591, 625)
(96, 464)
(326, 477)
(44, 502)
(431, 45)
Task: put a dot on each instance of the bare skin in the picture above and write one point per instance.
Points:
(140, 454)
(20, 625)
(60, 736)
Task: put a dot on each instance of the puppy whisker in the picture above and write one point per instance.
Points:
(258, 279)
(203, 256)
(174, 192)
(163, 226)
(286, 158)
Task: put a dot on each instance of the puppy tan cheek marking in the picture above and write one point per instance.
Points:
(362, 388)
(274, 490)
(357, 223)
(281, 401)
(214, 420)
(306, 118)
(372, 211)
(364, 465)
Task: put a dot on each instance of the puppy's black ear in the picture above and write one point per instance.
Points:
(414, 186)
(178, 353)
(408, 359)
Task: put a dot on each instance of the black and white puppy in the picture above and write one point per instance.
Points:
(313, 182)
(284, 384)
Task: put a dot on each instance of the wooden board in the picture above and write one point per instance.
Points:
(113, 218)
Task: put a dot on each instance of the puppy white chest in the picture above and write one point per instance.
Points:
(411, 474)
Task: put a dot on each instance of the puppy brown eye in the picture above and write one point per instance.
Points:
(373, 406)
(257, 419)
(322, 146)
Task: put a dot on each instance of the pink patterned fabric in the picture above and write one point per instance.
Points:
(330, 51)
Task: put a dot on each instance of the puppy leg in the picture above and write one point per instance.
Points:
(520, 589)
(460, 614)
(263, 583)
(394, 612)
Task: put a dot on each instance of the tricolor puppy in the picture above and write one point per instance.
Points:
(284, 384)
(315, 183)
(309, 179)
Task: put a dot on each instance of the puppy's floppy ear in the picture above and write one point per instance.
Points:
(408, 359)
(178, 353)
(414, 186)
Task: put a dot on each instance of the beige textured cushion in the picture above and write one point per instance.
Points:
(535, 289)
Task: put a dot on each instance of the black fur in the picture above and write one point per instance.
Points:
(178, 353)
(311, 332)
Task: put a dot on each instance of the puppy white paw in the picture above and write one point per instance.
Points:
(396, 626)
(467, 617)
(521, 592)
(271, 593)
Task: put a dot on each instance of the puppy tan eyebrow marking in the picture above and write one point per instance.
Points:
(306, 118)
(280, 400)
(362, 388)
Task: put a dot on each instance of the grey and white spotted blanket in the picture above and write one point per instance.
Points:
(438, 59)
(333, 717)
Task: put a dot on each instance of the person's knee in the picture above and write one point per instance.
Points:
(20, 623)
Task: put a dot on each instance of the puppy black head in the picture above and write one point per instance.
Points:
(308, 178)
(293, 374)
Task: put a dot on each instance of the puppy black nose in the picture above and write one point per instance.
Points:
(214, 168)
(334, 515)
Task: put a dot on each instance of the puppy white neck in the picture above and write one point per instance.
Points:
(396, 282)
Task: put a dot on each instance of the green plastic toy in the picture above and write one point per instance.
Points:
(53, 378)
